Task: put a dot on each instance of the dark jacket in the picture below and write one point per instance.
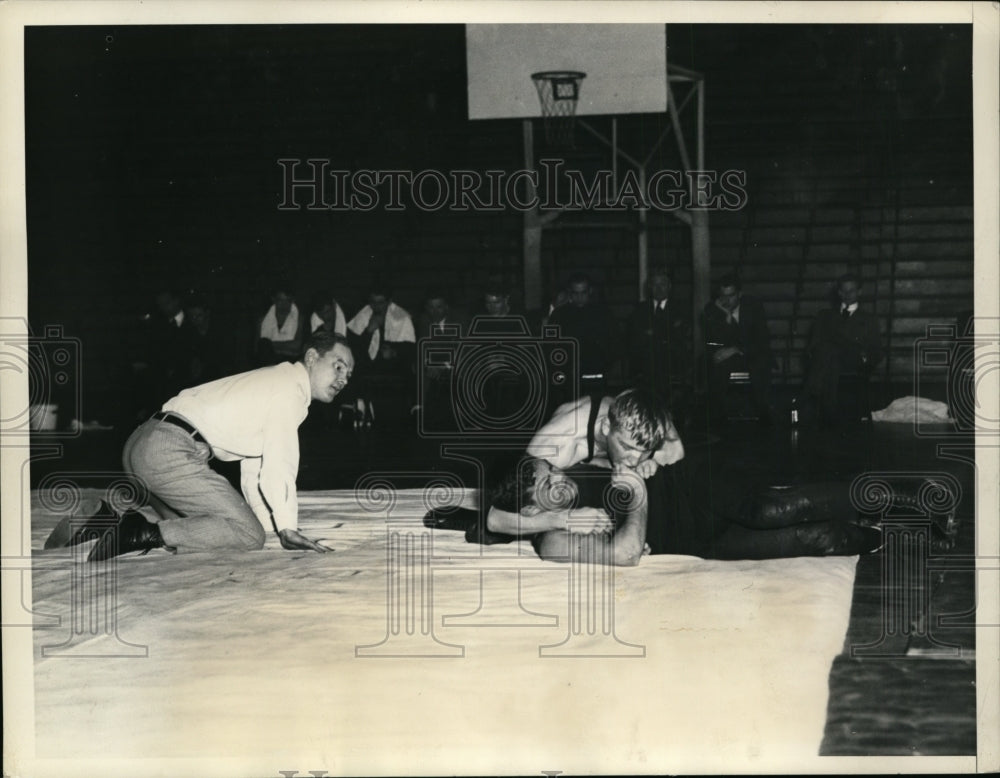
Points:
(750, 334)
(856, 340)
(594, 330)
(659, 344)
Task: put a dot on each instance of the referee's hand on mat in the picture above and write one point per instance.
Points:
(295, 541)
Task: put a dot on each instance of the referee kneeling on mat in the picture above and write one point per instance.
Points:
(252, 417)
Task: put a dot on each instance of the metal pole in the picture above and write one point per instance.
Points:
(700, 151)
(643, 241)
(618, 152)
(532, 249)
(700, 247)
(675, 119)
(614, 156)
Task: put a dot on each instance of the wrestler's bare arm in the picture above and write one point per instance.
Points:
(623, 548)
(668, 453)
(534, 522)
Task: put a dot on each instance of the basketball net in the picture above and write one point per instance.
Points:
(558, 92)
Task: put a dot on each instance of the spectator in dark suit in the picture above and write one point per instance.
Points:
(591, 325)
(434, 375)
(542, 317)
(737, 340)
(659, 342)
(171, 335)
(844, 340)
(438, 314)
(161, 370)
(501, 382)
(497, 304)
(498, 314)
(210, 345)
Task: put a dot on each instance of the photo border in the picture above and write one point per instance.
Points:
(15, 15)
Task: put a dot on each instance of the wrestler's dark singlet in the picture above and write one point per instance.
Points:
(595, 409)
(671, 527)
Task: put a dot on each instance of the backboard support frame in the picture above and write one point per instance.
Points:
(535, 222)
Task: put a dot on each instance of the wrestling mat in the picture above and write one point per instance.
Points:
(408, 650)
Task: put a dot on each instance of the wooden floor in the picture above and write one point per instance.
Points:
(905, 682)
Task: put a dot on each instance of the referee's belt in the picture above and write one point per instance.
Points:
(184, 424)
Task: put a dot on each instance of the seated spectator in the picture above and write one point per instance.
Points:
(496, 302)
(384, 344)
(437, 314)
(591, 325)
(434, 378)
(280, 330)
(737, 340)
(498, 313)
(500, 300)
(659, 343)
(845, 340)
(169, 304)
(543, 316)
(502, 384)
(557, 300)
(211, 348)
(327, 314)
(161, 370)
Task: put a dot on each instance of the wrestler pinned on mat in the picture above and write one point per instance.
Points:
(579, 510)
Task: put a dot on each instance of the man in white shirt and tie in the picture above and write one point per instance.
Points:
(252, 417)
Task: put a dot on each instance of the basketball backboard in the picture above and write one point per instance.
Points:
(626, 67)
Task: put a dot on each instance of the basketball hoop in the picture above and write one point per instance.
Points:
(558, 92)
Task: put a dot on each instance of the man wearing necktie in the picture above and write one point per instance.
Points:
(737, 339)
(591, 324)
(844, 341)
(382, 336)
(434, 376)
(161, 370)
(659, 341)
